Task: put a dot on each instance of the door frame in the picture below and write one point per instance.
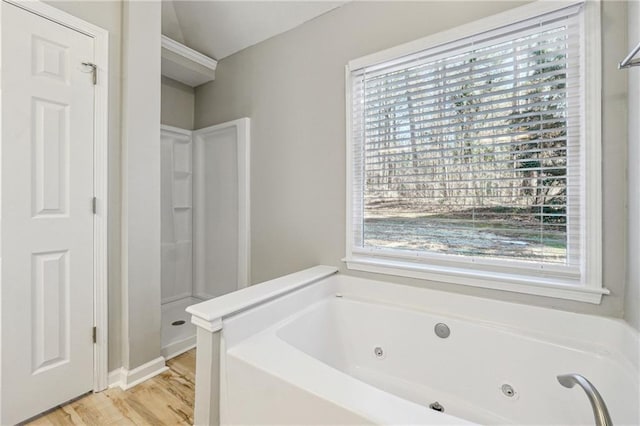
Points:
(100, 173)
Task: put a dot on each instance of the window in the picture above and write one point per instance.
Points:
(474, 159)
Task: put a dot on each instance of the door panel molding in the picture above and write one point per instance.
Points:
(100, 224)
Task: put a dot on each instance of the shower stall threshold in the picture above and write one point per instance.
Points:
(178, 334)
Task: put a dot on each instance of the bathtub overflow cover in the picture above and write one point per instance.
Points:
(442, 330)
(378, 351)
(508, 390)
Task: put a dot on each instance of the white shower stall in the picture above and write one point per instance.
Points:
(205, 222)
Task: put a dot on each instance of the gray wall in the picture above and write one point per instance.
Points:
(292, 87)
(141, 183)
(178, 104)
(632, 296)
(108, 15)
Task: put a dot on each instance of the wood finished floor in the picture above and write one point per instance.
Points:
(167, 399)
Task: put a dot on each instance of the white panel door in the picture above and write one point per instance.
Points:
(47, 218)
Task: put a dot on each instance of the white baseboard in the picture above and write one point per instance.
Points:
(115, 377)
(126, 379)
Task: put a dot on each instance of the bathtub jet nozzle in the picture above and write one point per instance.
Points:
(436, 407)
(442, 330)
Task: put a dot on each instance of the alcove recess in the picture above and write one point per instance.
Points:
(186, 65)
(191, 68)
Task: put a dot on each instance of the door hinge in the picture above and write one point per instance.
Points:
(95, 334)
(94, 205)
(94, 71)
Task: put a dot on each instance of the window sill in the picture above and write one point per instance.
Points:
(496, 281)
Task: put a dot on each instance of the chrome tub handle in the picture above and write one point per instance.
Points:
(600, 411)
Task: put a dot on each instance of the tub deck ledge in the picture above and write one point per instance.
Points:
(209, 314)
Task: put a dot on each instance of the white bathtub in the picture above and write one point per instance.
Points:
(308, 356)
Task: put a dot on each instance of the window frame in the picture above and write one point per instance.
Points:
(588, 287)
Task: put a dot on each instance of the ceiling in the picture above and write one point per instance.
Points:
(222, 28)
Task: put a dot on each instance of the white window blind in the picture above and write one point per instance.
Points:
(472, 150)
